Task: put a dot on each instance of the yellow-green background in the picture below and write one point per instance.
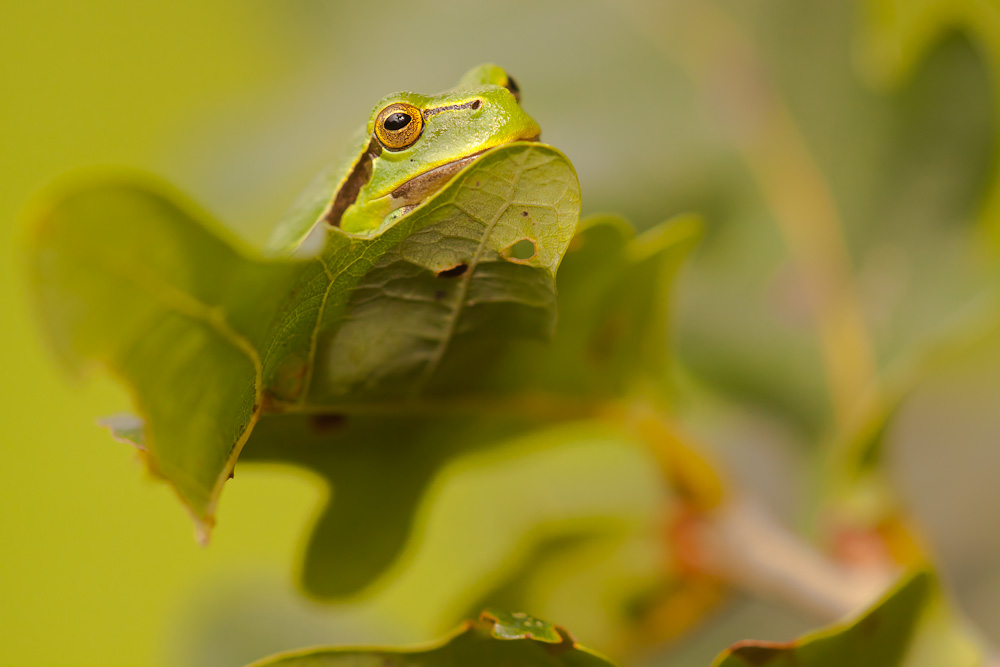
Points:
(239, 102)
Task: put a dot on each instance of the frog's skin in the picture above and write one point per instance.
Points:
(379, 181)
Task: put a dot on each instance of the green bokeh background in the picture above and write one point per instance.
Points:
(239, 102)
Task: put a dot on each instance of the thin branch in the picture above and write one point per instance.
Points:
(746, 547)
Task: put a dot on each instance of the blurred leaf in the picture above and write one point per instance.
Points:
(901, 174)
(497, 640)
(900, 33)
(910, 627)
(615, 294)
(209, 337)
(860, 496)
(378, 468)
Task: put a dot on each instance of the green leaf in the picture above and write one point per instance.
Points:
(210, 336)
(381, 440)
(910, 627)
(613, 295)
(497, 640)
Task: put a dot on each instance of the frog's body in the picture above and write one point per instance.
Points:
(411, 147)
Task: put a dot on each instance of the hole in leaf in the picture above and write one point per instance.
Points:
(520, 251)
(454, 271)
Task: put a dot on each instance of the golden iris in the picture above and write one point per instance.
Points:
(398, 125)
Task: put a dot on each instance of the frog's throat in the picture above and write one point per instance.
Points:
(411, 193)
(414, 191)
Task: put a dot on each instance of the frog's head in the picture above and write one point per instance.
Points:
(418, 142)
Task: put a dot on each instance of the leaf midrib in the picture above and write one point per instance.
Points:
(466, 281)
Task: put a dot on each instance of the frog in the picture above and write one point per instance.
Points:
(411, 146)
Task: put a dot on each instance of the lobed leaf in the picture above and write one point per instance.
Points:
(209, 337)
(373, 364)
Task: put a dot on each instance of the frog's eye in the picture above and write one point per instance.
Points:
(398, 126)
(514, 89)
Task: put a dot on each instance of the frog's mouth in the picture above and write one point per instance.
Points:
(418, 189)
(410, 194)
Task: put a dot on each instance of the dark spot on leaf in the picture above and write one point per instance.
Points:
(454, 271)
(607, 337)
(439, 294)
(869, 625)
(477, 184)
(327, 423)
(232, 472)
(524, 214)
(557, 650)
(760, 653)
(268, 402)
(520, 251)
(288, 379)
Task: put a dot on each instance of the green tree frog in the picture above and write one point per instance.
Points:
(412, 146)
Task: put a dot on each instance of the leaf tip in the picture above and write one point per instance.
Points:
(755, 652)
(203, 526)
(125, 427)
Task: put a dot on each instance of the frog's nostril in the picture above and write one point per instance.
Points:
(476, 104)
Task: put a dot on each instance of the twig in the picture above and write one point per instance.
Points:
(745, 546)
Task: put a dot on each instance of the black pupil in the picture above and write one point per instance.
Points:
(397, 121)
